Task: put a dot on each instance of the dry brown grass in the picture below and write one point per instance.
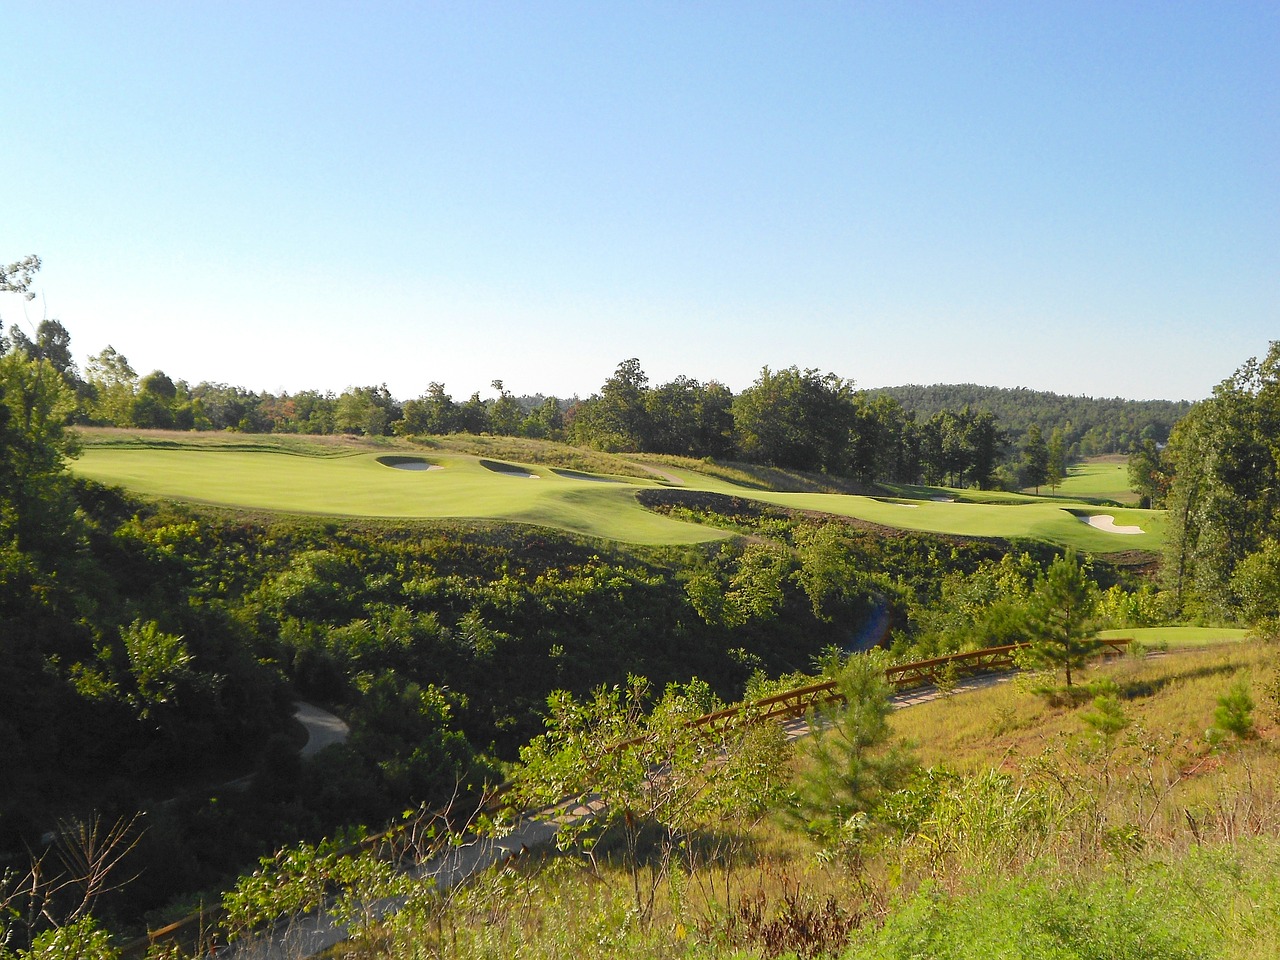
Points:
(1171, 695)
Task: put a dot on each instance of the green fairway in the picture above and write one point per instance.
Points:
(400, 482)
(1174, 637)
(358, 485)
(1102, 478)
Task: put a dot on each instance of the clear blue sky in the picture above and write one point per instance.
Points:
(1080, 197)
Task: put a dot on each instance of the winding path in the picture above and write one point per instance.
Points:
(323, 728)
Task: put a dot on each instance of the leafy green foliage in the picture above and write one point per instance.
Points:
(1234, 713)
(846, 773)
(647, 768)
(1224, 502)
(1061, 622)
(1255, 584)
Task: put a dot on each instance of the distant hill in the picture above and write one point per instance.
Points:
(1093, 425)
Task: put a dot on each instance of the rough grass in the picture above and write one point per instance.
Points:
(1172, 695)
(755, 476)
(1156, 846)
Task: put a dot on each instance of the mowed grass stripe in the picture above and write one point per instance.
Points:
(357, 485)
(1038, 520)
(1103, 478)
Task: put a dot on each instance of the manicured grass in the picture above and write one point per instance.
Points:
(343, 477)
(1034, 520)
(1174, 637)
(1101, 478)
(357, 485)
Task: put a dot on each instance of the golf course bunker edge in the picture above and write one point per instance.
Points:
(1106, 523)
(579, 475)
(508, 469)
(409, 463)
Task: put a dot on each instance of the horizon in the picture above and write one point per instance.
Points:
(1076, 201)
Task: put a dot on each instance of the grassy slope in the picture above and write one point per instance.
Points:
(1174, 696)
(1099, 478)
(343, 477)
(1004, 881)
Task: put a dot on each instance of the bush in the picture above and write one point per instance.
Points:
(1234, 714)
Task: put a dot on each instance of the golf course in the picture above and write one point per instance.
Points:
(401, 481)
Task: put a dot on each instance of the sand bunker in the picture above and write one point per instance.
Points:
(409, 463)
(1107, 523)
(508, 469)
(579, 475)
(895, 503)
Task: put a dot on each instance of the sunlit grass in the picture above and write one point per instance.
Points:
(1158, 841)
(1172, 638)
(1102, 478)
(339, 476)
(1173, 695)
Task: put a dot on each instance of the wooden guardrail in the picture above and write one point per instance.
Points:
(922, 673)
(787, 705)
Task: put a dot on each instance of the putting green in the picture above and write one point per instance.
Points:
(397, 486)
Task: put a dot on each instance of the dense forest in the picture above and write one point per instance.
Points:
(1091, 425)
(152, 653)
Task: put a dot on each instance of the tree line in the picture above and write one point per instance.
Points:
(793, 418)
(1090, 425)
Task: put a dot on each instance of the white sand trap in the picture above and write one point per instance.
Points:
(408, 463)
(943, 499)
(1107, 523)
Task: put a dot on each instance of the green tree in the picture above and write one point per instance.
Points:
(35, 404)
(473, 415)
(1056, 468)
(1234, 713)
(1255, 584)
(617, 418)
(159, 664)
(114, 383)
(798, 419)
(1148, 475)
(154, 402)
(649, 769)
(985, 442)
(1035, 459)
(848, 767)
(53, 343)
(433, 413)
(17, 277)
(367, 410)
(545, 421)
(505, 415)
(1062, 609)
(1224, 501)
(674, 417)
